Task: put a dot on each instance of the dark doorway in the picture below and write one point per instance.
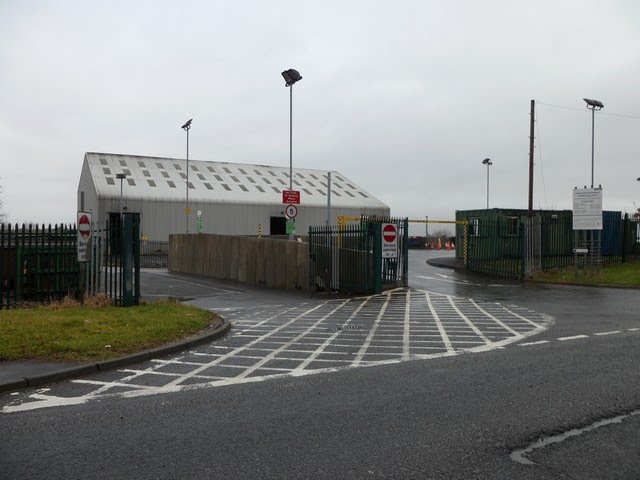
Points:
(278, 226)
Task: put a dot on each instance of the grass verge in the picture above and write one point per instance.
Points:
(625, 274)
(83, 333)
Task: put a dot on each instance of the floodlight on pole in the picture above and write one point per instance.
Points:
(291, 76)
(121, 177)
(593, 105)
(186, 127)
(488, 163)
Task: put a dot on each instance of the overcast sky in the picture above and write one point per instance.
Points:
(406, 98)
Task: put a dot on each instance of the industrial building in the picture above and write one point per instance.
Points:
(224, 198)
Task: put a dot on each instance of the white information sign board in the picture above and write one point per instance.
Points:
(587, 209)
(84, 236)
(389, 240)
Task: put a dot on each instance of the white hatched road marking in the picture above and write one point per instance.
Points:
(327, 336)
(443, 333)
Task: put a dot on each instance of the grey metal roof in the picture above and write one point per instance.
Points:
(165, 179)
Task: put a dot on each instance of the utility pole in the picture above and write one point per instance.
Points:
(531, 148)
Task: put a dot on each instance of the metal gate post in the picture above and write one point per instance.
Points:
(405, 253)
(377, 258)
(136, 257)
(126, 249)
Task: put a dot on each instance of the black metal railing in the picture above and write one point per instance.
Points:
(154, 253)
(37, 263)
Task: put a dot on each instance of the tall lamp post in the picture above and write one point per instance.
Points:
(593, 105)
(186, 127)
(291, 76)
(121, 177)
(488, 163)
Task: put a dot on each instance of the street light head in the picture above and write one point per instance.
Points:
(291, 76)
(121, 176)
(593, 104)
(487, 161)
(187, 125)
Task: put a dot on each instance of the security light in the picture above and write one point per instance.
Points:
(186, 128)
(593, 104)
(291, 76)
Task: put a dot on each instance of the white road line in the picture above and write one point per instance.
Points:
(406, 330)
(520, 317)
(326, 343)
(471, 325)
(634, 329)
(443, 333)
(367, 341)
(608, 333)
(296, 336)
(533, 343)
(498, 321)
(245, 347)
(575, 337)
(112, 384)
(150, 372)
(317, 351)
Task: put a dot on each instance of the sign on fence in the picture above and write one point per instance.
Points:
(84, 236)
(587, 209)
(389, 240)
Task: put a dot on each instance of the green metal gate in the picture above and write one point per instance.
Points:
(348, 259)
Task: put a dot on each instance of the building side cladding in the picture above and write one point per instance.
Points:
(233, 198)
(558, 234)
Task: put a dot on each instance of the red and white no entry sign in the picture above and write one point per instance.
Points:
(389, 233)
(389, 240)
(84, 236)
(84, 226)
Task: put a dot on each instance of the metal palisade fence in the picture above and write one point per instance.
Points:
(348, 258)
(505, 249)
(37, 263)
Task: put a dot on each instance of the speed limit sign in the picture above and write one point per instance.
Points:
(291, 211)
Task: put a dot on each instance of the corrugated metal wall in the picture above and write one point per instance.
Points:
(159, 219)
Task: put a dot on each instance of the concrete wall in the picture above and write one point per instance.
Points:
(270, 262)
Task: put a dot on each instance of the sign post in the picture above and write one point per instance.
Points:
(587, 226)
(587, 209)
(291, 198)
(291, 211)
(389, 240)
(84, 236)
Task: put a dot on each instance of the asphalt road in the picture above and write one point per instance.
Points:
(469, 415)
